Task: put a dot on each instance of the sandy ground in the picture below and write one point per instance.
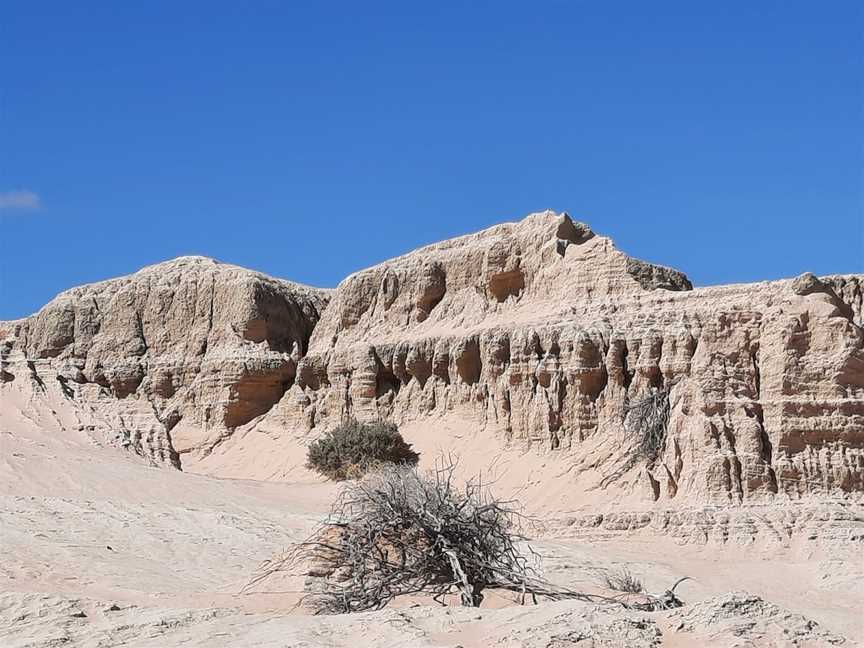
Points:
(98, 549)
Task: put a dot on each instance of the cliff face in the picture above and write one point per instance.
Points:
(539, 332)
(544, 333)
(192, 341)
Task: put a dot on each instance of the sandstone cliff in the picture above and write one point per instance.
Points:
(542, 331)
(191, 340)
(539, 332)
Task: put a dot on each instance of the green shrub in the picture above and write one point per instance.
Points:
(352, 449)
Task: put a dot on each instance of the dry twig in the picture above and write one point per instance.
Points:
(399, 531)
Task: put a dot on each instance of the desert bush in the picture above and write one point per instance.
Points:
(645, 422)
(401, 531)
(623, 581)
(647, 419)
(351, 449)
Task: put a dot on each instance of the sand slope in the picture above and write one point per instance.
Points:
(85, 530)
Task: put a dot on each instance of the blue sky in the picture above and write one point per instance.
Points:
(722, 138)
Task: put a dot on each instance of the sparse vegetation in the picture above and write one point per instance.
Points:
(400, 531)
(647, 419)
(668, 600)
(350, 450)
(623, 581)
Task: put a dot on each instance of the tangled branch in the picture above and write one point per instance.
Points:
(646, 421)
(399, 531)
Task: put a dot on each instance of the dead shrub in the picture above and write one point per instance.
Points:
(401, 531)
(647, 419)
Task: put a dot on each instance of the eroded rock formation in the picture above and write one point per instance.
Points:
(201, 347)
(540, 332)
(543, 332)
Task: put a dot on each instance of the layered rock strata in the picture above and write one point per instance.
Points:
(543, 332)
(539, 332)
(204, 346)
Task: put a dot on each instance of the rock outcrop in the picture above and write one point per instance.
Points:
(203, 346)
(540, 332)
(543, 332)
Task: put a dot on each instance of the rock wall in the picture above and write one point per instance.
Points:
(206, 346)
(539, 332)
(543, 332)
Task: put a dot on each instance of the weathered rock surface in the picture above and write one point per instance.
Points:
(193, 347)
(752, 622)
(540, 332)
(543, 332)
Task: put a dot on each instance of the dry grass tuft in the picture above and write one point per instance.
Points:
(623, 581)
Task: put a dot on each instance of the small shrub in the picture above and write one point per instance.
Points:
(647, 418)
(646, 422)
(398, 531)
(624, 581)
(352, 449)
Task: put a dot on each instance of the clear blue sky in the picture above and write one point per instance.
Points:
(722, 138)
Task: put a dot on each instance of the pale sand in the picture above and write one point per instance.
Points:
(182, 545)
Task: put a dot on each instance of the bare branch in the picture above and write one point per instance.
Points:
(399, 531)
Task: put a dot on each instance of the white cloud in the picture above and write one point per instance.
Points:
(19, 199)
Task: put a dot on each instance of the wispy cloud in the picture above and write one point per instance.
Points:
(19, 199)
